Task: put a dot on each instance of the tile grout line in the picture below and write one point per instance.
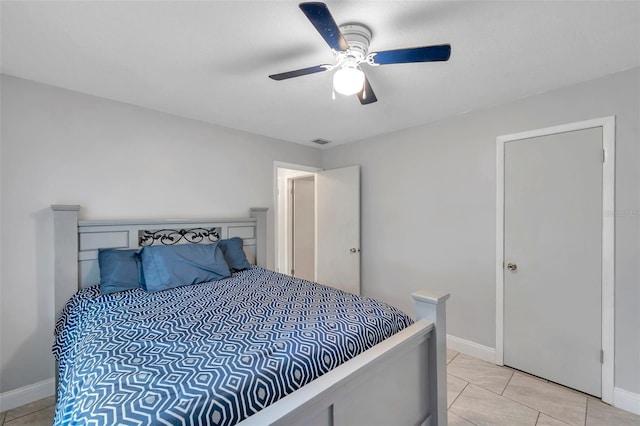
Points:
(513, 400)
(458, 396)
(519, 402)
(555, 418)
(513, 372)
(475, 384)
(537, 419)
(5, 421)
(464, 418)
(535, 409)
(453, 402)
(586, 412)
(507, 385)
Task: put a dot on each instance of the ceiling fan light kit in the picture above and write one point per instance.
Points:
(348, 80)
(350, 45)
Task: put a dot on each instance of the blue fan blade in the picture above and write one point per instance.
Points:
(415, 54)
(321, 18)
(299, 73)
(366, 95)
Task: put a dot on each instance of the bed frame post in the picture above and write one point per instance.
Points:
(432, 307)
(65, 249)
(260, 214)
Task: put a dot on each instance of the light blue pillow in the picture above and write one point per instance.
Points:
(166, 267)
(234, 254)
(119, 270)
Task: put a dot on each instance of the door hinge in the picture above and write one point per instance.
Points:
(604, 155)
(292, 272)
(601, 356)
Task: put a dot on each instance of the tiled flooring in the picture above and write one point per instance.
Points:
(39, 413)
(478, 393)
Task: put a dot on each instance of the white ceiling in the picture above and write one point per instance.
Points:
(209, 60)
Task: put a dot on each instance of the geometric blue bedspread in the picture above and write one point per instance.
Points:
(206, 354)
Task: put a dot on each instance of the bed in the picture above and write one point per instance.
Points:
(252, 348)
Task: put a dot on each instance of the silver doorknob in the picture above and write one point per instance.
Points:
(512, 266)
(354, 250)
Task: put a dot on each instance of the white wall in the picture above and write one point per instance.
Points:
(429, 197)
(116, 161)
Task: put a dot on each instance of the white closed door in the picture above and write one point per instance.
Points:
(552, 257)
(338, 228)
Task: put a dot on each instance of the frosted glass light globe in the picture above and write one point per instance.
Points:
(348, 81)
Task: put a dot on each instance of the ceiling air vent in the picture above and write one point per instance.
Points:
(320, 141)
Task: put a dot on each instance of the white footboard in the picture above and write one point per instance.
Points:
(401, 381)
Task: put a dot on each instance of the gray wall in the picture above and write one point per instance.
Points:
(429, 197)
(117, 161)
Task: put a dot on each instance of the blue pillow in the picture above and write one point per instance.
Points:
(119, 270)
(167, 267)
(234, 254)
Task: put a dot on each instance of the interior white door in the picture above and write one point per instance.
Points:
(338, 228)
(552, 257)
(303, 228)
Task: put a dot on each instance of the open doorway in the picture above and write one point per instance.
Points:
(295, 220)
(332, 250)
(302, 227)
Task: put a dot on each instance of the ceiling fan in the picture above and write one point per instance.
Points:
(350, 45)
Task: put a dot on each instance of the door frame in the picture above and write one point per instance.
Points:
(608, 238)
(280, 232)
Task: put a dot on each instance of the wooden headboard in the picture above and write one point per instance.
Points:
(76, 242)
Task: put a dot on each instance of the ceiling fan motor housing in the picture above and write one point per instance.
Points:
(359, 37)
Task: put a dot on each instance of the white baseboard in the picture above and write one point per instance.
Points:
(626, 400)
(470, 348)
(27, 394)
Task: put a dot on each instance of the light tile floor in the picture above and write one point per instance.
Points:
(478, 394)
(39, 413)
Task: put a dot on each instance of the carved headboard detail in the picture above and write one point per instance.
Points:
(169, 237)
